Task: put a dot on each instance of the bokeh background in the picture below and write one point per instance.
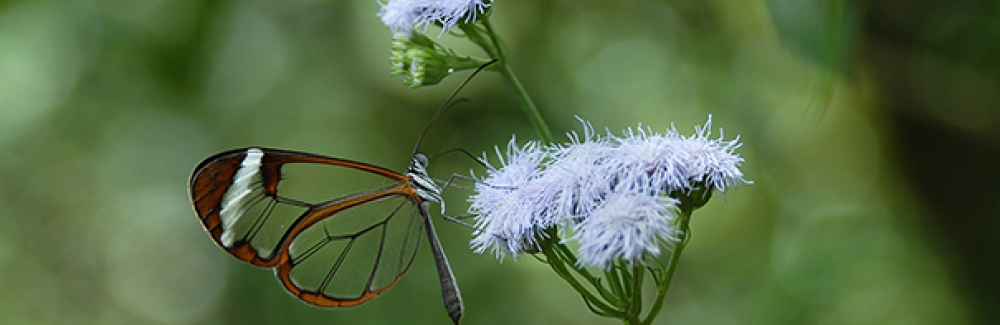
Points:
(871, 132)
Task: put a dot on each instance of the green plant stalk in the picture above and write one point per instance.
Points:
(626, 288)
(635, 304)
(566, 253)
(615, 282)
(497, 50)
(557, 265)
(675, 256)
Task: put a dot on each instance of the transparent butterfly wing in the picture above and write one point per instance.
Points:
(250, 199)
(359, 251)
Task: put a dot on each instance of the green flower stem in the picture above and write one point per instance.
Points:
(635, 304)
(565, 254)
(615, 282)
(529, 106)
(495, 47)
(475, 34)
(571, 259)
(675, 256)
(559, 267)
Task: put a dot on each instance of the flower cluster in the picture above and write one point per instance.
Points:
(613, 192)
(404, 15)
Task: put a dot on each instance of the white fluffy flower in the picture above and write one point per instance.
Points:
(612, 191)
(579, 172)
(671, 161)
(404, 15)
(451, 12)
(648, 160)
(710, 161)
(627, 226)
(510, 203)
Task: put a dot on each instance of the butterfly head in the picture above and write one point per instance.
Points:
(419, 163)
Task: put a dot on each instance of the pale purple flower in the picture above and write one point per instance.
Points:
(404, 15)
(645, 159)
(671, 161)
(579, 171)
(451, 12)
(627, 226)
(711, 161)
(612, 192)
(511, 204)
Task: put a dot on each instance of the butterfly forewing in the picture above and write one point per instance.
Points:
(249, 199)
(354, 255)
(318, 183)
(229, 196)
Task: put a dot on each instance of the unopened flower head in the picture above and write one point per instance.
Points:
(423, 62)
(628, 227)
(404, 15)
(417, 59)
(510, 202)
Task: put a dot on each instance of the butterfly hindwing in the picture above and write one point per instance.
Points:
(360, 251)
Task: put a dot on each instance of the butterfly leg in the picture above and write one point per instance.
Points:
(460, 219)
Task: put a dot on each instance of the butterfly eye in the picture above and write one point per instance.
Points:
(420, 160)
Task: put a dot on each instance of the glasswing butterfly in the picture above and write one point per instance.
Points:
(329, 251)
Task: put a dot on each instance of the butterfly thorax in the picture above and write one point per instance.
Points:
(424, 186)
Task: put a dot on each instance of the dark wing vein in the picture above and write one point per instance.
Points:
(336, 266)
(381, 247)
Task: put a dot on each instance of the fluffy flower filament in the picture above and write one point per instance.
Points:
(620, 199)
(405, 15)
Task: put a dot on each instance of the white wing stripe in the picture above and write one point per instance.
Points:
(233, 200)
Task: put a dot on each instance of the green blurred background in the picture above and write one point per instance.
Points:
(871, 131)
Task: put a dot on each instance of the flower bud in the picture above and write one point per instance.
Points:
(423, 62)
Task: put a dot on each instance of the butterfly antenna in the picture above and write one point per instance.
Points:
(447, 104)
